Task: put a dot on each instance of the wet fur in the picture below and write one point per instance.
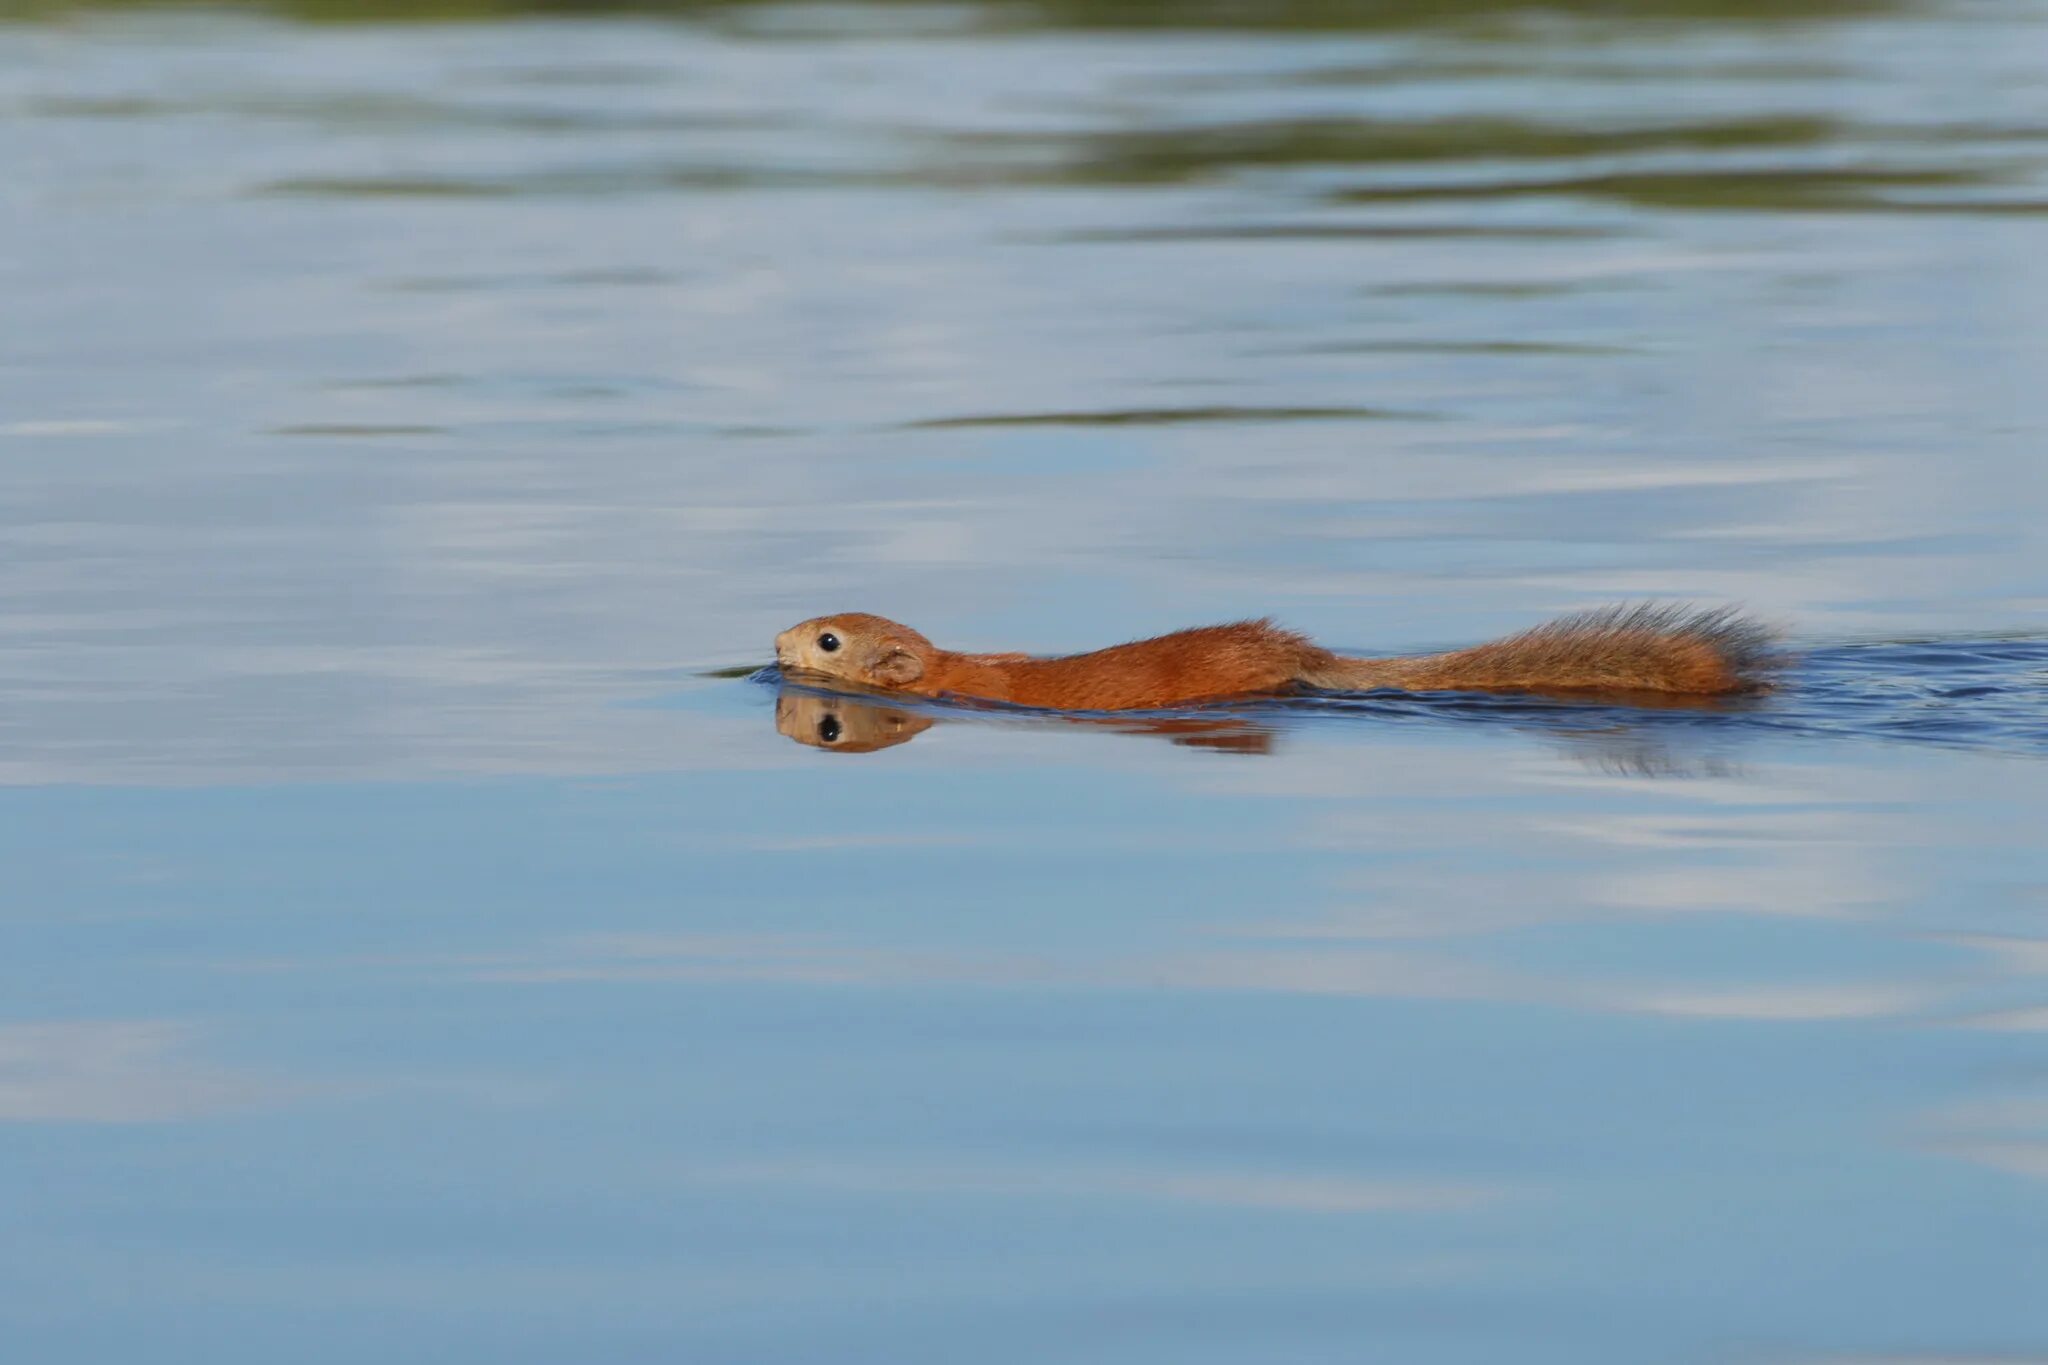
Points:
(1651, 649)
(1647, 648)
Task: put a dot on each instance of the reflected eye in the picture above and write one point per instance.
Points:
(828, 642)
(828, 729)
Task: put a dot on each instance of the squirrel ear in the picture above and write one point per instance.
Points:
(894, 665)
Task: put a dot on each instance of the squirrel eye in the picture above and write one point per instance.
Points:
(828, 729)
(828, 642)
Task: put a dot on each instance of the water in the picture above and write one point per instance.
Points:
(426, 943)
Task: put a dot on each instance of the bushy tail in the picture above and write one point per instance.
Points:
(1647, 648)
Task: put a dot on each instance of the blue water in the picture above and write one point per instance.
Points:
(423, 942)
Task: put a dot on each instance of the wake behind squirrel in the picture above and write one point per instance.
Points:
(1615, 651)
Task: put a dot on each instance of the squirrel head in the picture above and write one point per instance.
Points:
(854, 647)
(843, 724)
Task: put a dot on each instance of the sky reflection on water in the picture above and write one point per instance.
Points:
(412, 954)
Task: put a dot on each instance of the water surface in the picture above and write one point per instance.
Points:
(416, 952)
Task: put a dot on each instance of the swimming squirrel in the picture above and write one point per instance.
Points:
(1649, 650)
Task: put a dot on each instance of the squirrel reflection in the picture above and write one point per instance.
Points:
(845, 724)
(862, 725)
(855, 725)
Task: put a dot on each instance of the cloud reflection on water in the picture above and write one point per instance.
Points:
(116, 1071)
(1313, 970)
(1290, 1192)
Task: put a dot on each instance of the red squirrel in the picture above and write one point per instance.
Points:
(1662, 650)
